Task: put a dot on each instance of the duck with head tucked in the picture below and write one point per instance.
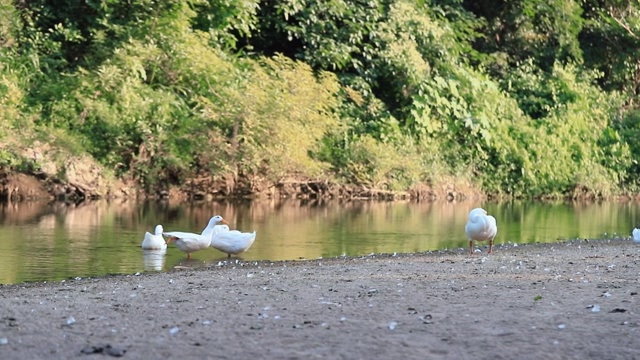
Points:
(480, 227)
(635, 235)
(154, 241)
(232, 242)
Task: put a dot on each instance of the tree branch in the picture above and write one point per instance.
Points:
(624, 26)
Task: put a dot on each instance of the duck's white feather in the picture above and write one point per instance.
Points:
(216, 229)
(190, 242)
(154, 241)
(636, 235)
(233, 242)
(480, 226)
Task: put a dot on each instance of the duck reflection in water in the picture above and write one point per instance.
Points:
(154, 259)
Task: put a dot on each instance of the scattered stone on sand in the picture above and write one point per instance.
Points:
(104, 349)
(515, 303)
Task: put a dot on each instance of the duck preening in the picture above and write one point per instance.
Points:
(480, 227)
(232, 242)
(154, 241)
(635, 235)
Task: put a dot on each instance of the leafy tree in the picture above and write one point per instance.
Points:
(530, 29)
(515, 96)
(611, 43)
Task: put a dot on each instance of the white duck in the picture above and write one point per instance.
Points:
(215, 230)
(191, 242)
(636, 235)
(154, 241)
(480, 227)
(232, 241)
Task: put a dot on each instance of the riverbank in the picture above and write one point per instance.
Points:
(89, 183)
(572, 300)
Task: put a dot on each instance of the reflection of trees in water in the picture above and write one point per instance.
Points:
(16, 213)
(529, 221)
(66, 239)
(103, 237)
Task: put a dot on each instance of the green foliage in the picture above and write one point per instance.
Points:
(226, 21)
(575, 137)
(13, 74)
(624, 136)
(543, 30)
(364, 160)
(273, 119)
(517, 97)
(611, 43)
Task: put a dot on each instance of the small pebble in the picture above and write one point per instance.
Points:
(114, 351)
(4, 341)
(104, 349)
(91, 350)
(174, 330)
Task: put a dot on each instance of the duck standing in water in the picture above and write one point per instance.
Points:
(154, 241)
(191, 242)
(480, 227)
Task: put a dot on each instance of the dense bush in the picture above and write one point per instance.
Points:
(525, 98)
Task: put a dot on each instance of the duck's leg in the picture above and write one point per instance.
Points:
(188, 255)
(228, 255)
(490, 246)
(470, 247)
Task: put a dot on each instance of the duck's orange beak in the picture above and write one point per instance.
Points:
(223, 221)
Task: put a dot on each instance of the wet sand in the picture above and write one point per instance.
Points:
(570, 300)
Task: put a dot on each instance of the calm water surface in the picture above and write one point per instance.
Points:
(56, 241)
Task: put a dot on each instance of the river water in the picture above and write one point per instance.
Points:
(47, 242)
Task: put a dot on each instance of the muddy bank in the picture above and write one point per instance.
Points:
(208, 188)
(43, 171)
(46, 172)
(574, 300)
(87, 182)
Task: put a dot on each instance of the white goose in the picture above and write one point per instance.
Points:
(215, 230)
(480, 227)
(154, 241)
(191, 242)
(232, 241)
(636, 235)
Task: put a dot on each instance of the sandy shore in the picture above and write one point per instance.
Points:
(574, 300)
